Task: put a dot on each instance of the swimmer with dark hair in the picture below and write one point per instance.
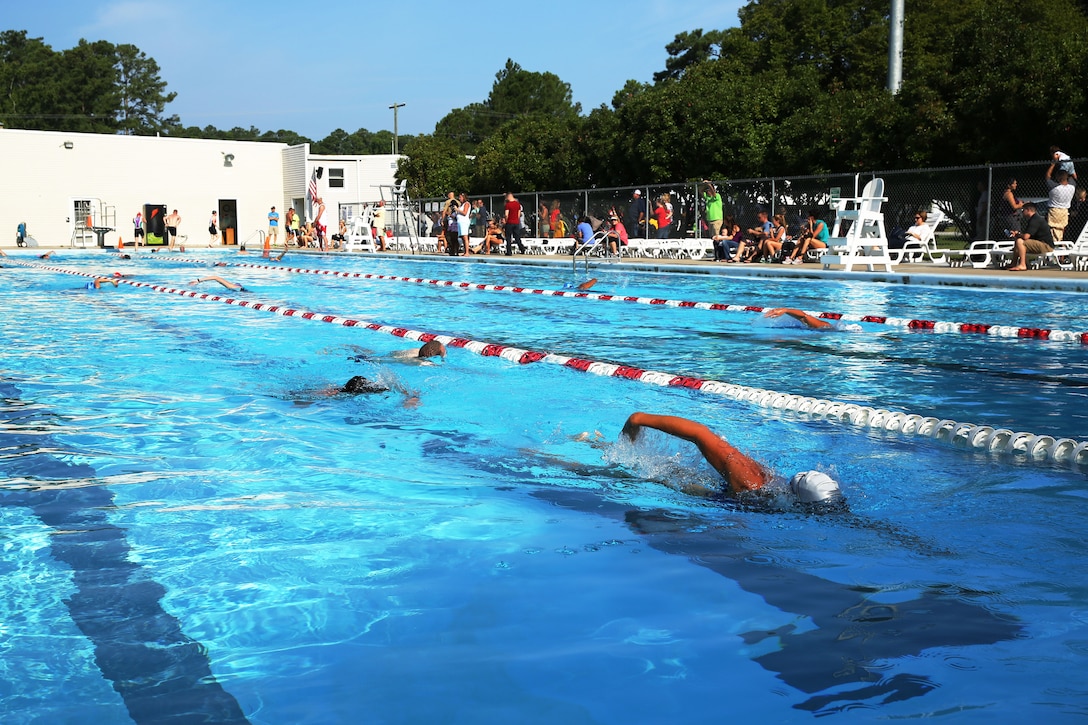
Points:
(47, 255)
(281, 256)
(423, 355)
(358, 385)
(740, 472)
(234, 286)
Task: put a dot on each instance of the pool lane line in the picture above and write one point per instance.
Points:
(902, 322)
(945, 430)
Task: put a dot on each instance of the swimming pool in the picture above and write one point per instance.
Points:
(192, 528)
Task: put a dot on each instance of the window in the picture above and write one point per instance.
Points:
(336, 178)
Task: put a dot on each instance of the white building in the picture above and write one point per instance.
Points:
(55, 180)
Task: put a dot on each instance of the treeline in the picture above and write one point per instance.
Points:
(99, 87)
(797, 88)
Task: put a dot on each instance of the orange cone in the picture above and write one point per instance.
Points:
(120, 242)
(267, 246)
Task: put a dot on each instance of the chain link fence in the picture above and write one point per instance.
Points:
(971, 201)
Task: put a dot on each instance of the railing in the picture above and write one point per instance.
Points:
(971, 197)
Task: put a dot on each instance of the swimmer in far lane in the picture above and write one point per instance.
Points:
(226, 283)
(740, 472)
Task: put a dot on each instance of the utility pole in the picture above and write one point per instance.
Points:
(396, 144)
(895, 48)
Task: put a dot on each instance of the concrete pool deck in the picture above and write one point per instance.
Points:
(1050, 279)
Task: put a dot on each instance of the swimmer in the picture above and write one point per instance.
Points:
(281, 256)
(588, 284)
(740, 472)
(220, 264)
(359, 385)
(125, 256)
(97, 282)
(421, 356)
(47, 255)
(229, 285)
(2, 253)
(809, 321)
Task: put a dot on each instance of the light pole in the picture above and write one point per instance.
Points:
(396, 144)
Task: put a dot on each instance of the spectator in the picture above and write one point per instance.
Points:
(771, 246)
(493, 239)
(713, 201)
(1034, 237)
(729, 244)
(378, 221)
(556, 228)
(1061, 198)
(637, 215)
(512, 210)
(663, 218)
(617, 234)
(464, 219)
(585, 232)
(814, 235)
(1010, 207)
(543, 221)
(213, 228)
(1064, 163)
(760, 231)
(920, 230)
(273, 226)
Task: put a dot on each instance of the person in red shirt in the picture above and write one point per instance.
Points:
(513, 224)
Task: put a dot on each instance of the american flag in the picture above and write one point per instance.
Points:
(313, 187)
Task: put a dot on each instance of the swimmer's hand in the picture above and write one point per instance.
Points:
(775, 312)
(631, 429)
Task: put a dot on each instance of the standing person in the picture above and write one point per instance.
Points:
(288, 229)
(555, 221)
(173, 221)
(1061, 198)
(213, 228)
(713, 201)
(512, 210)
(296, 227)
(379, 224)
(464, 211)
(319, 224)
(274, 226)
(1011, 206)
(637, 215)
(663, 217)
(543, 221)
(138, 231)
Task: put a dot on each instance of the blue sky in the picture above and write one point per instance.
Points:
(312, 68)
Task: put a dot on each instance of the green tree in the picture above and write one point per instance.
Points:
(143, 96)
(87, 88)
(688, 49)
(28, 79)
(531, 154)
(434, 167)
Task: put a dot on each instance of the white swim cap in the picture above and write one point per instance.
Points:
(813, 486)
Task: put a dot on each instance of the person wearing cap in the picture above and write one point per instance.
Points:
(274, 226)
(421, 355)
(637, 212)
(740, 472)
(617, 234)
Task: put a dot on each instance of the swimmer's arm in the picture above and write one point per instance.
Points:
(739, 471)
(813, 322)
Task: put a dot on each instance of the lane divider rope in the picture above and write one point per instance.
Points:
(956, 433)
(902, 322)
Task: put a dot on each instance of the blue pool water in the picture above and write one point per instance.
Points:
(193, 533)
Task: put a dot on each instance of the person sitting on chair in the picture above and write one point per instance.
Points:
(1033, 237)
(814, 235)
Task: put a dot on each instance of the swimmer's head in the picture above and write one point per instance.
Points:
(432, 349)
(815, 487)
(360, 385)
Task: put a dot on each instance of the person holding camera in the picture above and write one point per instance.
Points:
(712, 201)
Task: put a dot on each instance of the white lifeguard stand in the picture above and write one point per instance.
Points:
(398, 208)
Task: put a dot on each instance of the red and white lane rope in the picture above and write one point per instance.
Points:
(902, 322)
(959, 434)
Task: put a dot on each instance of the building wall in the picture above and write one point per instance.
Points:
(125, 172)
(122, 173)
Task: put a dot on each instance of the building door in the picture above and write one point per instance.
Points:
(228, 220)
